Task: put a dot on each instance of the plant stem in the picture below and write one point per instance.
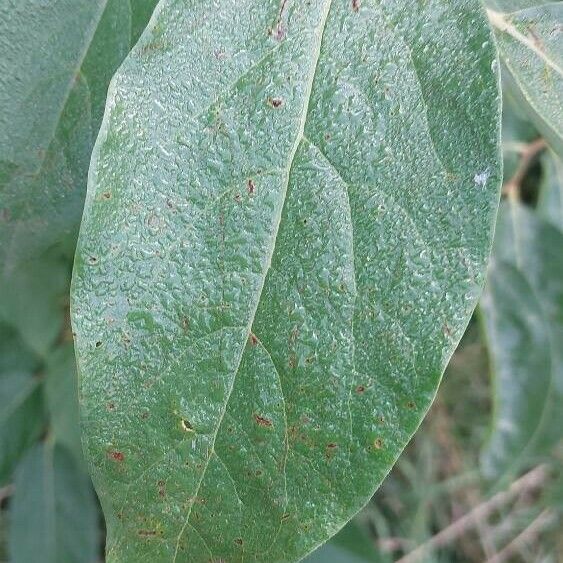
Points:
(531, 480)
(543, 521)
(527, 156)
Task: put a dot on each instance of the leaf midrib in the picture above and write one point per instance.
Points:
(298, 140)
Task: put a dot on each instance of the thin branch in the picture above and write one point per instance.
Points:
(531, 480)
(527, 156)
(543, 521)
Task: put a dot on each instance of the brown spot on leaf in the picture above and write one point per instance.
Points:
(116, 456)
(356, 5)
(161, 489)
(253, 339)
(106, 195)
(260, 420)
(378, 443)
(360, 389)
(411, 405)
(275, 102)
(251, 187)
(238, 541)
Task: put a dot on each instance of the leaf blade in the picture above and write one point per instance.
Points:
(257, 146)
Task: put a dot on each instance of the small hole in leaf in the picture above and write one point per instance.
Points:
(186, 426)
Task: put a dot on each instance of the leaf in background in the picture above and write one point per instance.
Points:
(513, 5)
(350, 545)
(61, 394)
(141, 11)
(14, 354)
(51, 107)
(517, 131)
(33, 298)
(53, 515)
(50, 111)
(531, 48)
(21, 418)
(21, 407)
(523, 313)
(286, 229)
(551, 192)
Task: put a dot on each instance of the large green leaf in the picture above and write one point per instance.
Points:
(53, 515)
(523, 311)
(531, 48)
(288, 218)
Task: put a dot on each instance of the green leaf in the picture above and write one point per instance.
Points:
(61, 394)
(350, 545)
(51, 107)
(141, 11)
(53, 515)
(531, 51)
(551, 193)
(286, 229)
(33, 299)
(21, 418)
(21, 406)
(523, 312)
(50, 111)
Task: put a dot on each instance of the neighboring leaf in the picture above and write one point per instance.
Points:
(61, 393)
(523, 313)
(513, 5)
(141, 11)
(50, 110)
(289, 215)
(350, 545)
(21, 407)
(531, 47)
(551, 193)
(21, 418)
(53, 513)
(32, 299)
(14, 354)
(51, 106)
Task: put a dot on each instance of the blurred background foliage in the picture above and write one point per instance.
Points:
(481, 481)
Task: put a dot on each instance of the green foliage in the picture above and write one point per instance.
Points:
(531, 52)
(523, 308)
(373, 169)
(54, 515)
